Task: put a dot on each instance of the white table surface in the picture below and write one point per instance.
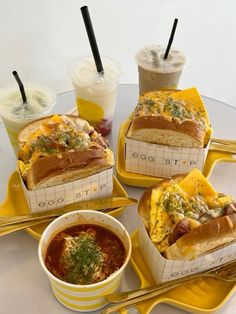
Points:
(24, 288)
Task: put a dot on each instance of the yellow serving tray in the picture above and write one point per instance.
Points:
(201, 296)
(16, 204)
(141, 180)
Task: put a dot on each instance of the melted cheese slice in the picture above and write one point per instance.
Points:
(56, 119)
(194, 103)
(195, 183)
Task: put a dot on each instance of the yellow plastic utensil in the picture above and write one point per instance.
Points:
(223, 141)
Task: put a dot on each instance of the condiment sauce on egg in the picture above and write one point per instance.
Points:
(84, 254)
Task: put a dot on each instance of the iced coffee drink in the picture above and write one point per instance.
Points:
(15, 114)
(96, 94)
(157, 73)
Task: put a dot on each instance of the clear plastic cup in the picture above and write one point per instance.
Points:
(96, 94)
(15, 114)
(157, 73)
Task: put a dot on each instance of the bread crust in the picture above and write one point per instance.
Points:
(187, 127)
(207, 237)
(144, 207)
(202, 239)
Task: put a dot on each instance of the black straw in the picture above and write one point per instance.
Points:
(21, 86)
(171, 39)
(92, 39)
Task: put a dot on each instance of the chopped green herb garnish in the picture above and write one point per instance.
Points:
(83, 259)
(149, 102)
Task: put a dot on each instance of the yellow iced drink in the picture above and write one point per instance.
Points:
(15, 114)
(96, 95)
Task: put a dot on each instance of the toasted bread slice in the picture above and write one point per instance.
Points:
(157, 130)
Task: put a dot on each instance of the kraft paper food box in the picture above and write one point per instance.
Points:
(163, 269)
(161, 160)
(97, 186)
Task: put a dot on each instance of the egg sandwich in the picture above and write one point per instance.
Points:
(60, 149)
(172, 118)
(185, 217)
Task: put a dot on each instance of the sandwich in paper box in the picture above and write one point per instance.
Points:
(169, 133)
(187, 227)
(63, 160)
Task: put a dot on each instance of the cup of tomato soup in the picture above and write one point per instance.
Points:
(84, 254)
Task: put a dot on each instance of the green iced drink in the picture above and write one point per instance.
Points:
(15, 114)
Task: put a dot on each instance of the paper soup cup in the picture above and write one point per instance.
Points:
(84, 298)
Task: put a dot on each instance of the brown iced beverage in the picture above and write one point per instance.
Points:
(157, 73)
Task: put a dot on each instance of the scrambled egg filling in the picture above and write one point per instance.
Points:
(59, 134)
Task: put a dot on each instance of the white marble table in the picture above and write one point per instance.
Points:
(24, 288)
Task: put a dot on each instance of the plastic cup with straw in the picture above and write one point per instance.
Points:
(22, 103)
(160, 67)
(95, 81)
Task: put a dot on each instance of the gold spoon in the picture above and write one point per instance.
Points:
(23, 225)
(226, 272)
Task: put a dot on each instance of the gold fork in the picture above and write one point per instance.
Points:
(226, 272)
